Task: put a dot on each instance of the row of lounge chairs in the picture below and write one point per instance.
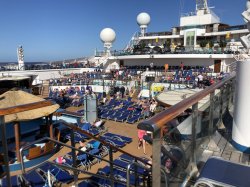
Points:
(39, 176)
(96, 150)
(88, 128)
(129, 112)
(119, 173)
(91, 156)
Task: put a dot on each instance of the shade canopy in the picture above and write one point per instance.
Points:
(13, 98)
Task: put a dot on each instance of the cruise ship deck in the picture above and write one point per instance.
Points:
(212, 128)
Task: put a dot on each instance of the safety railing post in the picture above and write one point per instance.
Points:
(230, 89)
(5, 150)
(211, 114)
(136, 176)
(111, 166)
(233, 89)
(156, 167)
(221, 103)
(194, 124)
(72, 138)
(226, 95)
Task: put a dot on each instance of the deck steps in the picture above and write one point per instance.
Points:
(45, 89)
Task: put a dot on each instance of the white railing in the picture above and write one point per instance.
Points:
(133, 41)
(101, 61)
(242, 56)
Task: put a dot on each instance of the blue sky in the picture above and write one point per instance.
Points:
(62, 29)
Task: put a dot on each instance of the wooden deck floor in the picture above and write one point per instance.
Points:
(220, 146)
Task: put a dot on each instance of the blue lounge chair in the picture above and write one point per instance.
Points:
(105, 115)
(87, 127)
(14, 181)
(34, 179)
(123, 117)
(118, 174)
(123, 165)
(87, 184)
(113, 142)
(103, 182)
(94, 144)
(219, 172)
(115, 116)
(126, 158)
(77, 137)
(133, 119)
(60, 175)
(84, 163)
(84, 160)
(114, 136)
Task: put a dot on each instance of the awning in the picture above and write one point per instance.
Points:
(14, 98)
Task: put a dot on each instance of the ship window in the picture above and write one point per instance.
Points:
(190, 38)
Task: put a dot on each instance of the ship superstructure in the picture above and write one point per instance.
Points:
(201, 39)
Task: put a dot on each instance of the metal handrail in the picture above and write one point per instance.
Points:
(155, 123)
(130, 166)
(55, 141)
(77, 129)
(65, 166)
(77, 170)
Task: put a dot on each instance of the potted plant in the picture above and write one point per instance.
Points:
(203, 44)
(211, 45)
(222, 44)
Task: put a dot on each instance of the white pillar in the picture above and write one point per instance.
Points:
(143, 30)
(241, 122)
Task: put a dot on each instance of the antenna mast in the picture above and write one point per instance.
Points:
(201, 5)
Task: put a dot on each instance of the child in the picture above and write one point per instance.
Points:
(141, 141)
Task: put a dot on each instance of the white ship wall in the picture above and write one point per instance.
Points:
(177, 62)
(44, 74)
(199, 19)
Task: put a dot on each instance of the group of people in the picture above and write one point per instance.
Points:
(123, 74)
(148, 107)
(118, 92)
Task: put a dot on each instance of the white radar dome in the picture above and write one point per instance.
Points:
(143, 18)
(107, 35)
(248, 5)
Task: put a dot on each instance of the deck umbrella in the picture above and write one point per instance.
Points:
(17, 97)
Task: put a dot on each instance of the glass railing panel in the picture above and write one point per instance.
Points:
(177, 143)
(202, 130)
(216, 113)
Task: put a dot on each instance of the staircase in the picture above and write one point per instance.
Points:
(232, 66)
(238, 57)
(45, 89)
(133, 41)
(243, 55)
(100, 61)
